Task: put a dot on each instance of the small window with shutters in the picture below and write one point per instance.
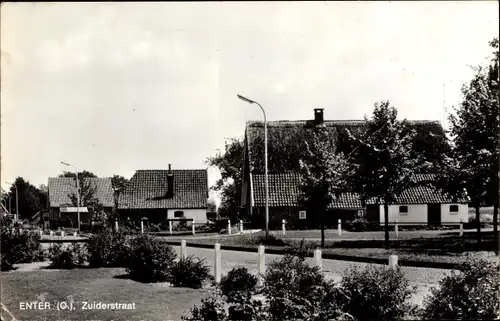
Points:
(454, 209)
(403, 210)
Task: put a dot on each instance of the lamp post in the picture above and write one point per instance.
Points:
(265, 159)
(17, 201)
(77, 193)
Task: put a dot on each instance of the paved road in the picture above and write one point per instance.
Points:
(424, 278)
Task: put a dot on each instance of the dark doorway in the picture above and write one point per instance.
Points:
(434, 214)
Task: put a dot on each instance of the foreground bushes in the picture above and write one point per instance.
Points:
(68, 257)
(189, 272)
(19, 247)
(108, 248)
(238, 285)
(150, 259)
(471, 294)
(376, 292)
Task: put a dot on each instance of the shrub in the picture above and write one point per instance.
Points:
(376, 293)
(470, 294)
(272, 240)
(300, 250)
(150, 259)
(5, 264)
(293, 288)
(68, 257)
(211, 309)
(238, 285)
(189, 272)
(247, 310)
(20, 247)
(108, 248)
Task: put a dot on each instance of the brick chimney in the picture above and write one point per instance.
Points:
(318, 116)
(170, 182)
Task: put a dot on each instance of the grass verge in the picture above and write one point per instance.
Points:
(152, 301)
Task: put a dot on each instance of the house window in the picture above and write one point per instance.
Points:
(453, 208)
(178, 214)
(403, 209)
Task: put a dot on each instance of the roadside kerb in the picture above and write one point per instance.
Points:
(282, 251)
(327, 256)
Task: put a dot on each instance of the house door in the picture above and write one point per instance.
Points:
(434, 214)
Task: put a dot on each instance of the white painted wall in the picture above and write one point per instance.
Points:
(199, 215)
(447, 216)
(418, 213)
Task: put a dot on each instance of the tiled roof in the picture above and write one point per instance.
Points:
(425, 194)
(285, 138)
(147, 189)
(284, 190)
(60, 189)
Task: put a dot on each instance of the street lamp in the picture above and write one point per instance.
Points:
(77, 193)
(17, 201)
(265, 159)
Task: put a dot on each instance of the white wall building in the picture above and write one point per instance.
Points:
(425, 205)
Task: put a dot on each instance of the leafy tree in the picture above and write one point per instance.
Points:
(118, 182)
(83, 174)
(323, 176)
(31, 199)
(382, 162)
(87, 192)
(472, 164)
(230, 165)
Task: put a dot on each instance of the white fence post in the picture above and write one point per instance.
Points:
(262, 265)
(142, 226)
(461, 227)
(283, 227)
(393, 261)
(170, 227)
(317, 258)
(396, 228)
(116, 225)
(183, 249)
(193, 227)
(228, 227)
(217, 267)
(339, 227)
(241, 226)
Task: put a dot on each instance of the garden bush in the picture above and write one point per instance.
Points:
(272, 240)
(300, 250)
(5, 264)
(293, 288)
(470, 294)
(211, 309)
(67, 257)
(150, 259)
(20, 247)
(108, 248)
(238, 285)
(379, 293)
(189, 272)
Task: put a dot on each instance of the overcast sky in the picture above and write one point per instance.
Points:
(116, 87)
